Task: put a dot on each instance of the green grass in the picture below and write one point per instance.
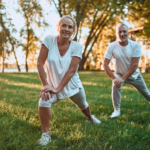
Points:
(20, 127)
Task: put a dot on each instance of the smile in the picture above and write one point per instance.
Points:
(65, 33)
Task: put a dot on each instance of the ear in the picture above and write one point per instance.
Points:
(58, 28)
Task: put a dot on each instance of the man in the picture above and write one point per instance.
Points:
(127, 54)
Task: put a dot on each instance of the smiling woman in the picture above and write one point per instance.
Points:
(62, 57)
(67, 22)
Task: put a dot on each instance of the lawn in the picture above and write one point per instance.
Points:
(20, 127)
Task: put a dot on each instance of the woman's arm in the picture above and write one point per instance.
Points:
(71, 71)
(40, 64)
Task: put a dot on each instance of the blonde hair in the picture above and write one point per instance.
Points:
(74, 25)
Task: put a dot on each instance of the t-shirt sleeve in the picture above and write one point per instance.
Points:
(47, 41)
(109, 52)
(137, 51)
(77, 50)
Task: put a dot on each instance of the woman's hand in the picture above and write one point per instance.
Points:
(45, 95)
(46, 90)
(49, 88)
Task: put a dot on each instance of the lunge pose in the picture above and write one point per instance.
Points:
(127, 54)
(62, 57)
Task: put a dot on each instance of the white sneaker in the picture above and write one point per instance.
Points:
(115, 114)
(94, 120)
(45, 139)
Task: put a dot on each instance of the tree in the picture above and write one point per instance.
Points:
(32, 12)
(13, 42)
(2, 34)
(107, 36)
(92, 15)
(139, 15)
(6, 37)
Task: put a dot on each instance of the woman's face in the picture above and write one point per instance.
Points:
(66, 28)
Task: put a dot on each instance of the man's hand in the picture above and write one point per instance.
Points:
(117, 81)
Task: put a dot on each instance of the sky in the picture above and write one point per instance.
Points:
(52, 18)
(17, 19)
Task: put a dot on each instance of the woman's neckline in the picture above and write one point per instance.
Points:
(58, 48)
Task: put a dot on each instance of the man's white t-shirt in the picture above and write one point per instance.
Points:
(57, 66)
(123, 57)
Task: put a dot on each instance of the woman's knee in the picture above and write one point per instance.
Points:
(84, 106)
(48, 103)
(80, 99)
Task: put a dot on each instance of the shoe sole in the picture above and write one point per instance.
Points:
(115, 116)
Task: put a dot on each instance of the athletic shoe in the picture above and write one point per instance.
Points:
(115, 114)
(45, 139)
(94, 120)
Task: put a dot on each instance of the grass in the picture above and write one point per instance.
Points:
(20, 127)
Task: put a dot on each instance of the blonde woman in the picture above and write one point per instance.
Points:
(62, 57)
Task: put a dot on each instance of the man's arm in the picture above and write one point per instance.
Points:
(107, 69)
(109, 73)
(134, 66)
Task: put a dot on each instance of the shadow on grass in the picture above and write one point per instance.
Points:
(24, 78)
(15, 132)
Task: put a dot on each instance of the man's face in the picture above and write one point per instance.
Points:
(122, 34)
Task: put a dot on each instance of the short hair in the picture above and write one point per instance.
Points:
(121, 24)
(74, 25)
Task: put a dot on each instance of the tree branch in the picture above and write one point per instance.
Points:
(58, 9)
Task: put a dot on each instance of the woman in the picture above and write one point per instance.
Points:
(62, 57)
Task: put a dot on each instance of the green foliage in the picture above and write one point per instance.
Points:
(20, 126)
(139, 12)
(95, 16)
(6, 37)
(32, 12)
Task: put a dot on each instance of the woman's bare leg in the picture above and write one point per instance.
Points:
(87, 112)
(45, 115)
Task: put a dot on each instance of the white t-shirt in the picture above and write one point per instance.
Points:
(123, 56)
(57, 66)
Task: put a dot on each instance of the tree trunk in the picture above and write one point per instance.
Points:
(26, 65)
(2, 60)
(3, 55)
(27, 48)
(82, 62)
(26, 62)
(18, 67)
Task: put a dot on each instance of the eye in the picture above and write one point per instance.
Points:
(70, 27)
(63, 25)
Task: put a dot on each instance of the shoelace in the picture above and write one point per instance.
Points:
(45, 135)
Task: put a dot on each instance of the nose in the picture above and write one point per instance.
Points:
(67, 28)
(121, 33)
